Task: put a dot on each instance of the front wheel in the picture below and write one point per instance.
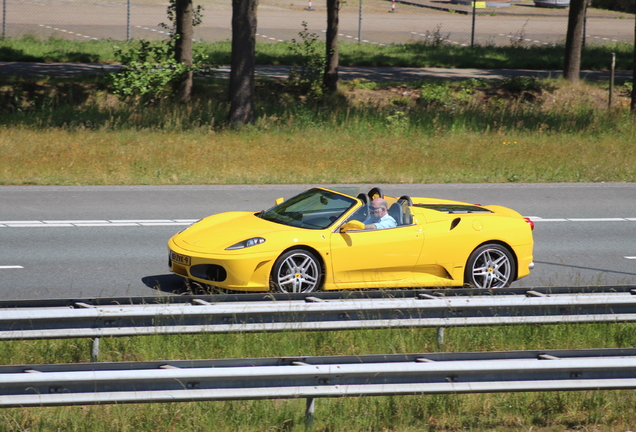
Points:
(490, 266)
(296, 271)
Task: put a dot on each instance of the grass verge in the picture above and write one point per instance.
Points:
(518, 130)
(552, 411)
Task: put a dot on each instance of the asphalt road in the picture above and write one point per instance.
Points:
(369, 21)
(110, 241)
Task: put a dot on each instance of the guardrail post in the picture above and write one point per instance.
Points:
(611, 89)
(95, 349)
(309, 414)
(440, 337)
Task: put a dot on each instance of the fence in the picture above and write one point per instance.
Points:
(321, 311)
(84, 320)
(320, 377)
(317, 377)
(378, 22)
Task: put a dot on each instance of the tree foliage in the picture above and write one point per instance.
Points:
(155, 70)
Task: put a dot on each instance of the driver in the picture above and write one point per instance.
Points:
(378, 218)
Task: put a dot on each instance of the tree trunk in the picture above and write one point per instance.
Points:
(330, 79)
(574, 40)
(241, 92)
(634, 75)
(184, 13)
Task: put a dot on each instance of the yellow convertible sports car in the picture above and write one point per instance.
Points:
(330, 239)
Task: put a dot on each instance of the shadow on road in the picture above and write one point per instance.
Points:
(167, 283)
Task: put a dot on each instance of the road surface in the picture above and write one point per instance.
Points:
(110, 241)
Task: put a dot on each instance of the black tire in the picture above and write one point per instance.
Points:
(490, 266)
(296, 271)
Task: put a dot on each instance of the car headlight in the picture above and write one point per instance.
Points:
(246, 243)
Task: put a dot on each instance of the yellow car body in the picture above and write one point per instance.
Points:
(298, 246)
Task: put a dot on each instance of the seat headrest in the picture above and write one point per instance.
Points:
(395, 211)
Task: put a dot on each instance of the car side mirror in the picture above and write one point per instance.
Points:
(279, 200)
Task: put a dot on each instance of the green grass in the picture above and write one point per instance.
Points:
(423, 54)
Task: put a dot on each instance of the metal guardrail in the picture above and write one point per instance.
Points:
(323, 295)
(325, 311)
(313, 377)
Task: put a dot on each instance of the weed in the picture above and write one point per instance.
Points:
(398, 122)
(308, 75)
(436, 38)
(521, 83)
(401, 101)
(150, 69)
(361, 83)
(518, 39)
(435, 94)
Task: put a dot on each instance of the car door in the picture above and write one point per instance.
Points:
(375, 258)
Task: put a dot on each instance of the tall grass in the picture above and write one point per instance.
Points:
(310, 155)
(54, 132)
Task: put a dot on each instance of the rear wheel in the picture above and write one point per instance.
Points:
(490, 266)
(296, 271)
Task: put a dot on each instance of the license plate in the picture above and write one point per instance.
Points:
(180, 259)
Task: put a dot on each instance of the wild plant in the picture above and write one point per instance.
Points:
(307, 77)
(150, 69)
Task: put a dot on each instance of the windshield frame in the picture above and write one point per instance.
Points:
(314, 209)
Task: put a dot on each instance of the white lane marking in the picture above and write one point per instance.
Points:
(74, 222)
(598, 220)
(182, 222)
(6, 267)
(69, 32)
(540, 219)
(36, 225)
(96, 223)
(139, 221)
(163, 32)
(630, 257)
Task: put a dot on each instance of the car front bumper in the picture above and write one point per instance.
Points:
(240, 272)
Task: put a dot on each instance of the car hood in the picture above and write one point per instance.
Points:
(215, 233)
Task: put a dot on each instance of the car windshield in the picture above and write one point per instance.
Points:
(313, 209)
